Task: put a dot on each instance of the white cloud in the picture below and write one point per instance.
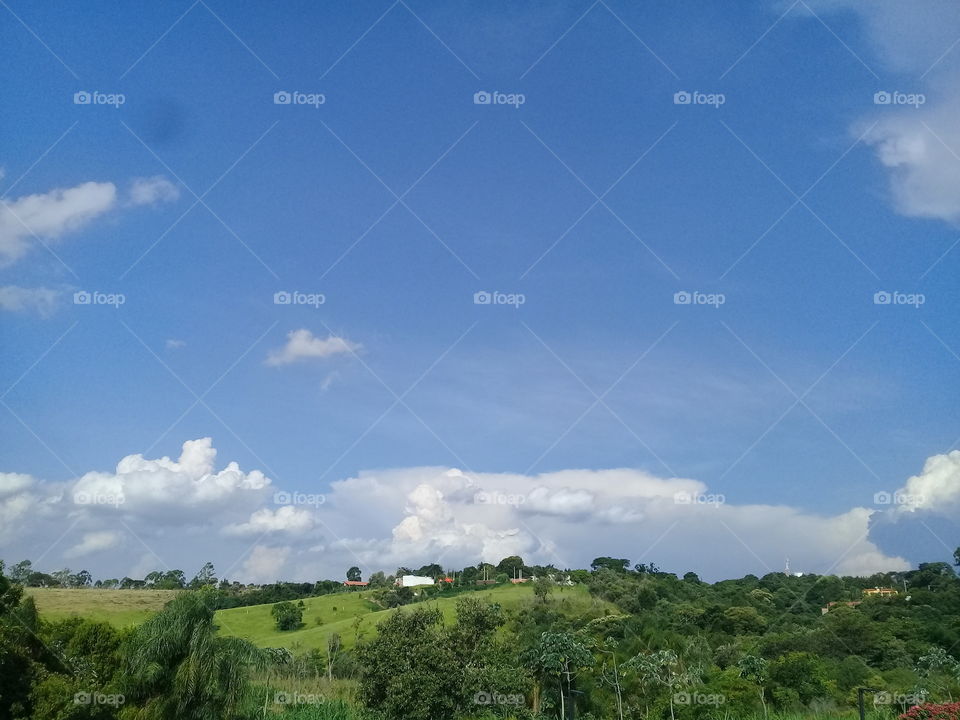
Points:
(937, 487)
(173, 492)
(51, 215)
(174, 344)
(913, 40)
(93, 542)
(302, 345)
(266, 564)
(286, 519)
(42, 301)
(152, 190)
(187, 511)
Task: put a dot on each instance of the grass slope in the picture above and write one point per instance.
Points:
(256, 624)
(120, 608)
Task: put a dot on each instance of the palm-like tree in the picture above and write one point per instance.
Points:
(176, 668)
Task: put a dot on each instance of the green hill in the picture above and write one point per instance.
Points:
(120, 608)
(350, 614)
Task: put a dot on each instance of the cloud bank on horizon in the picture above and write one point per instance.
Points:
(155, 513)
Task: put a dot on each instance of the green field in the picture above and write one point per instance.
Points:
(339, 614)
(120, 608)
(347, 614)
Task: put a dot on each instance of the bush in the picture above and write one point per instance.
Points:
(287, 615)
(932, 711)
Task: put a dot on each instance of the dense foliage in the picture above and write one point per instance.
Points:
(651, 646)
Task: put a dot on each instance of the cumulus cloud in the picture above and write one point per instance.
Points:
(93, 542)
(41, 300)
(303, 345)
(287, 519)
(152, 190)
(173, 491)
(186, 510)
(51, 215)
(918, 146)
(937, 487)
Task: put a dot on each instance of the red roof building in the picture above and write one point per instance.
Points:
(355, 583)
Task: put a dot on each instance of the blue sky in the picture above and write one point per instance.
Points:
(704, 199)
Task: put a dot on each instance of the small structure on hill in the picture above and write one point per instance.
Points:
(413, 581)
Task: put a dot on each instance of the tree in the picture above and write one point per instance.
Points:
(512, 566)
(207, 577)
(616, 564)
(432, 570)
(660, 668)
(21, 572)
(407, 672)
(333, 649)
(287, 615)
(175, 666)
(353, 574)
(956, 557)
(754, 668)
(542, 587)
(562, 655)
(646, 568)
(378, 579)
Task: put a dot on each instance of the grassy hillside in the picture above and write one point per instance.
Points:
(339, 614)
(120, 608)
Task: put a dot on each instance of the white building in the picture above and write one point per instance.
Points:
(413, 581)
